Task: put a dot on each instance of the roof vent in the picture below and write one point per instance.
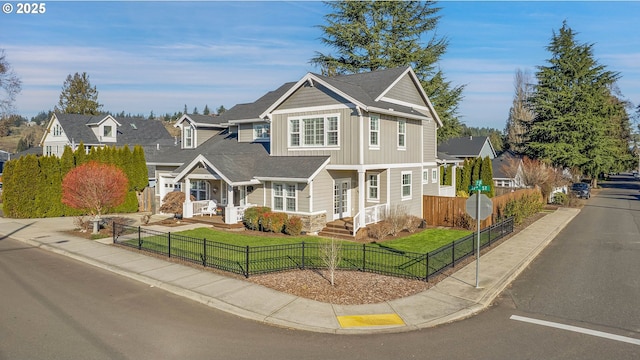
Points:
(134, 126)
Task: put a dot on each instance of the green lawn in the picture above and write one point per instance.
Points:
(420, 242)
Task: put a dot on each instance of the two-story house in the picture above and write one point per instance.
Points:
(322, 148)
(102, 130)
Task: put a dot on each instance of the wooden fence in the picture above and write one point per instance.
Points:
(451, 211)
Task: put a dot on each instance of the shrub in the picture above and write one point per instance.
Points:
(293, 226)
(462, 193)
(274, 221)
(172, 202)
(397, 219)
(379, 230)
(412, 223)
(253, 217)
(463, 221)
(560, 198)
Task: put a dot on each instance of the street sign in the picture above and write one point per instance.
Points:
(485, 209)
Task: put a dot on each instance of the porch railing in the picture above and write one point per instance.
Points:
(198, 206)
(372, 215)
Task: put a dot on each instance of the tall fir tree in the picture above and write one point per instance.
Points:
(375, 35)
(486, 175)
(573, 126)
(520, 115)
(78, 96)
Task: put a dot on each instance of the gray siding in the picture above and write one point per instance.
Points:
(257, 195)
(204, 135)
(405, 90)
(348, 133)
(388, 151)
(412, 206)
(308, 96)
(429, 136)
(245, 132)
(323, 193)
(431, 187)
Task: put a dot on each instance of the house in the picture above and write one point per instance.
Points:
(468, 147)
(321, 148)
(102, 130)
(507, 170)
(4, 157)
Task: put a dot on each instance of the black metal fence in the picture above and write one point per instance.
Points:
(252, 260)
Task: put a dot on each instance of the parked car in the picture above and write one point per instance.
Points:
(581, 190)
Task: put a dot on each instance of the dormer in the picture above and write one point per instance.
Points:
(105, 129)
(196, 129)
(253, 130)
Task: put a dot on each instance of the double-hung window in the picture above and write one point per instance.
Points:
(425, 176)
(402, 134)
(316, 131)
(57, 130)
(406, 185)
(373, 187)
(107, 131)
(187, 137)
(374, 131)
(284, 197)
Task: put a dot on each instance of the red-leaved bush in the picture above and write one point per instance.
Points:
(94, 187)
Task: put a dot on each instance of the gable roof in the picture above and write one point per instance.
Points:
(241, 163)
(367, 90)
(251, 112)
(465, 147)
(131, 131)
(210, 121)
(503, 160)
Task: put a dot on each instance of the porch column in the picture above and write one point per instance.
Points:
(230, 211)
(187, 206)
(453, 178)
(362, 190)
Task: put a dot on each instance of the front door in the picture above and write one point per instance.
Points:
(341, 199)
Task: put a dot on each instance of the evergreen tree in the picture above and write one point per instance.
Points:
(67, 161)
(573, 126)
(520, 115)
(10, 198)
(221, 110)
(486, 175)
(206, 110)
(80, 155)
(375, 35)
(49, 188)
(78, 96)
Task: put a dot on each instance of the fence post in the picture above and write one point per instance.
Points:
(246, 256)
(169, 237)
(364, 257)
(427, 268)
(139, 239)
(114, 231)
(490, 235)
(303, 264)
(453, 254)
(204, 252)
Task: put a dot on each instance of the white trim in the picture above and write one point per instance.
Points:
(368, 187)
(284, 185)
(301, 132)
(314, 108)
(377, 131)
(404, 134)
(373, 166)
(402, 185)
(404, 103)
(397, 113)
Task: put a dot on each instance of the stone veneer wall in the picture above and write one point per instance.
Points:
(313, 223)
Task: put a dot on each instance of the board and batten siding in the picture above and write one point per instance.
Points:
(405, 90)
(347, 152)
(245, 132)
(388, 152)
(309, 96)
(203, 135)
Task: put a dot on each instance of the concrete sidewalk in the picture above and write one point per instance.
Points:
(454, 298)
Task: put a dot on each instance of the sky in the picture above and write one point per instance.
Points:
(162, 55)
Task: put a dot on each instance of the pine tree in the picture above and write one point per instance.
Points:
(78, 96)
(573, 125)
(375, 35)
(206, 110)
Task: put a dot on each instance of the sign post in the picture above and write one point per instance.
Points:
(479, 213)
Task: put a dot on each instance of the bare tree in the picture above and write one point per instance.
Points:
(331, 255)
(10, 86)
(519, 115)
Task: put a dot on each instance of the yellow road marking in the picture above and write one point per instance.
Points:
(369, 320)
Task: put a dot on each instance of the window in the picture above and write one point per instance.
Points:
(402, 133)
(284, 197)
(434, 175)
(48, 150)
(107, 131)
(374, 131)
(373, 187)
(188, 137)
(199, 189)
(261, 131)
(425, 176)
(406, 185)
(57, 130)
(314, 132)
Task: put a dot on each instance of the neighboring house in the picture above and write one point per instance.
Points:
(4, 157)
(103, 130)
(322, 148)
(507, 170)
(468, 147)
(450, 163)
